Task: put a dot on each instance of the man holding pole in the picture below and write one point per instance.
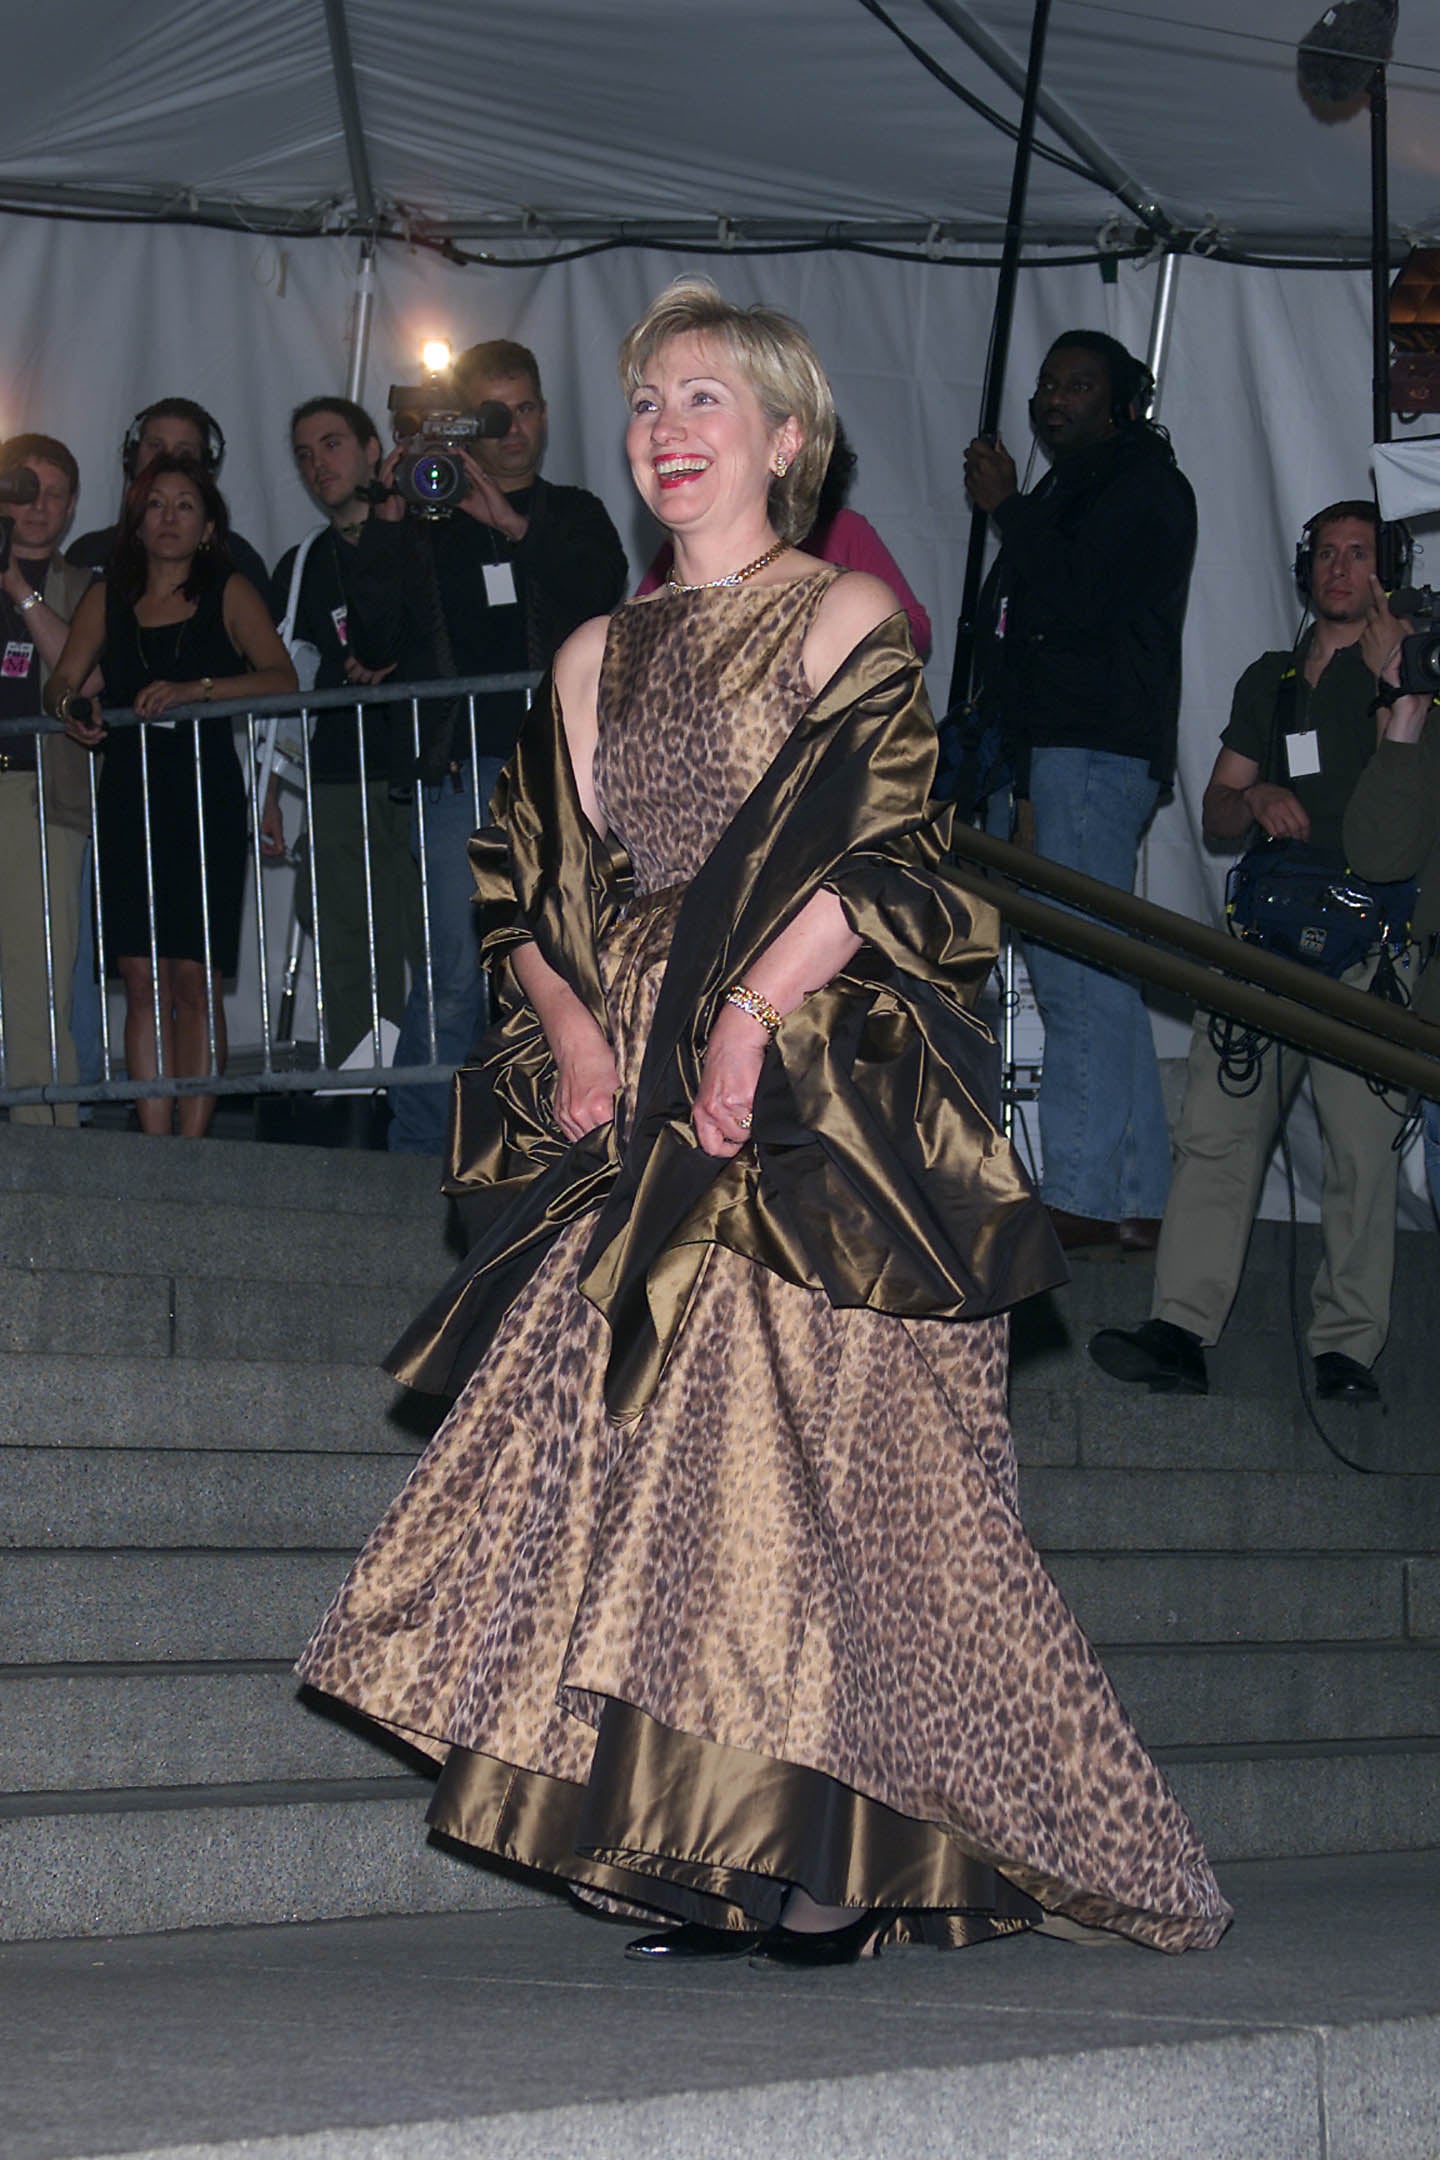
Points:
(1079, 669)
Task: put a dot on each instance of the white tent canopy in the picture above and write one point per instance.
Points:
(531, 128)
(552, 117)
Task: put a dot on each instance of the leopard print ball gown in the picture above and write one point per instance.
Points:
(785, 1625)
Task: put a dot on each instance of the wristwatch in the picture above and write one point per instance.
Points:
(32, 599)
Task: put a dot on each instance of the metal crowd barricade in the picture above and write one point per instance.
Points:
(273, 739)
(1295, 1004)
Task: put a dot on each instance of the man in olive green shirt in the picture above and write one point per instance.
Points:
(1302, 732)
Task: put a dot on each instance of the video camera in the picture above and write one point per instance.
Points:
(20, 485)
(1419, 653)
(430, 476)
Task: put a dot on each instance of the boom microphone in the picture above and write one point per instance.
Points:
(1336, 59)
(22, 484)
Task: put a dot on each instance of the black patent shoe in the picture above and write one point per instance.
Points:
(1344, 1379)
(693, 1940)
(827, 1946)
(1169, 1359)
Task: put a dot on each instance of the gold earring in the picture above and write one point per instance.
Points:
(782, 466)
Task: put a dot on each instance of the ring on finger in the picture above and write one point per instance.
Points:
(743, 1118)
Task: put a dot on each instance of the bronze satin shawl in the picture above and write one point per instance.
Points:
(878, 1174)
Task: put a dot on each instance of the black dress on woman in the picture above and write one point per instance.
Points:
(135, 655)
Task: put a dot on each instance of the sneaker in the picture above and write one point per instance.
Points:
(1167, 1358)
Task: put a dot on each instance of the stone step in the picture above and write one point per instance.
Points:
(63, 1401)
(1290, 1802)
(1236, 1511)
(1259, 1694)
(276, 1498)
(120, 1166)
(1129, 1428)
(198, 1499)
(229, 1856)
(243, 1241)
(1145, 1598)
(93, 1727)
(159, 1316)
(122, 1607)
(1252, 1374)
(1109, 1293)
(526, 2035)
(109, 1608)
(131, 1862)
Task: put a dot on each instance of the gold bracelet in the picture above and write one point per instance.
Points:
(759, 1008)
(62, 705)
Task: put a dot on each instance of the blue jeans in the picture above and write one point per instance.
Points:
(1103, 1134)
(1432, 1152)
(420, 1116)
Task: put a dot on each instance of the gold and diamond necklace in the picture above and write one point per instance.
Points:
(732, 577)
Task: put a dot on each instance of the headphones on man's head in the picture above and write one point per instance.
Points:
(1394, 546)
(1132, 384)
(177, 408)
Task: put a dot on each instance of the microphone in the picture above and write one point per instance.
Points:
(1337, 57)
(21, 485)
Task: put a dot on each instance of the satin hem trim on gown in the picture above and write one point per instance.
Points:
(688, 1829)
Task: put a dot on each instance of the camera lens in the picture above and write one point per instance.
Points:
(434, 478)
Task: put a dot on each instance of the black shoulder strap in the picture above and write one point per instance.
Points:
(1283, 718)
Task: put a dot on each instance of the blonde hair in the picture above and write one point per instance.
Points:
(776, 359)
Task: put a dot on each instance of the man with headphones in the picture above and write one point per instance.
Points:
(171, 427)
(1301, 736)
(1080, 670)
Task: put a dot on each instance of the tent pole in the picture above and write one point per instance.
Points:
(1061, 123)
(1000, 347)
(1380, 254)
(360, 324)
(347, 96)
(1161, 322)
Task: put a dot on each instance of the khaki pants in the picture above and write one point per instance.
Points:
(24, 997)
(1222, 1146)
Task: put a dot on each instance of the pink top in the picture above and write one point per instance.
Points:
(851, 541)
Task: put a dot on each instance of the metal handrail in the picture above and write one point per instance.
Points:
(1226, 974)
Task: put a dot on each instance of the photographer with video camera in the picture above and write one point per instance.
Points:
(1392, 821)
(1301, 738)
(518, 563)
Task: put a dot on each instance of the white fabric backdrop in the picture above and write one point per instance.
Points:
(1266, 394)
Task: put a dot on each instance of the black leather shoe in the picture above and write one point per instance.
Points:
(1167, 1358)
(829, 1946)
(1344, 1379)
(692, 1940)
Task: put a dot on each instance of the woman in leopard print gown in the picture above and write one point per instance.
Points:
(711, 1595)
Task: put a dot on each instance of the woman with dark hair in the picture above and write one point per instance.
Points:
(173, 624)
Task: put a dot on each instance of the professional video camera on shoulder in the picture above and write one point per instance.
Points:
(432, 419)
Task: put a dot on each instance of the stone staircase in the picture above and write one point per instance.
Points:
(194, 1440)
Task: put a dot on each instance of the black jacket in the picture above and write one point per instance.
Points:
(1089, 592)
(379, 589)
(569, 566)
